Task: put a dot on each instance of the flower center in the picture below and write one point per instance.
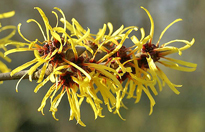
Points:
(49, 47)
(148, 49)
(122, 53)
(67, 79)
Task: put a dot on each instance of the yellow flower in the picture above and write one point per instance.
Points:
(51, 56)
(65, 81)
(101, 68)
(77, 75)
(5, 40)
(78, 86)
(100, 45)
(137, 80)
(50, 53)
(148, 54)
(136, 64)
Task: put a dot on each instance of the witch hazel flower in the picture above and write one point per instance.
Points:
(98, 68)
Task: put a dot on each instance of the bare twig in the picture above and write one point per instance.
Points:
(7, 76)
(18, 75)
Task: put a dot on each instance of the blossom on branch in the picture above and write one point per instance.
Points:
(145, 57)
(69, 70)
(98, 68)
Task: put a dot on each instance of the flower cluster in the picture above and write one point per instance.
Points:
(6, 39)
(94, 67)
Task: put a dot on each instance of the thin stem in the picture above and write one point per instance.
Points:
(18, 75)
(7, 76)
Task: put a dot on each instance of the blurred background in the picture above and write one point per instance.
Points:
(172, 113)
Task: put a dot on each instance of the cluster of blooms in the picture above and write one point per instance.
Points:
(6, 39)
(98, 68)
